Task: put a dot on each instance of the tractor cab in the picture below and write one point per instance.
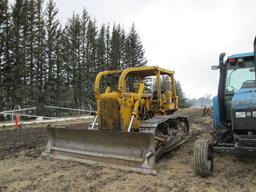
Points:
(235, 105)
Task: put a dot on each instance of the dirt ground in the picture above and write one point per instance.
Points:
(22, 168)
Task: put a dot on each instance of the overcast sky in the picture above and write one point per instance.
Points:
(185, 36)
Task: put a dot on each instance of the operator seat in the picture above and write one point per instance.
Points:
(248, 84)
(108, 90)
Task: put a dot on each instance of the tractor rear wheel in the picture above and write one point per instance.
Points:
(203, 157)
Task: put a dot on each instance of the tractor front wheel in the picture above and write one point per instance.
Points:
(203, 157)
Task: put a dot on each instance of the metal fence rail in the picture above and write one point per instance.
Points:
(25, 115)
(41, 118)
(69, 109)
(19, 110)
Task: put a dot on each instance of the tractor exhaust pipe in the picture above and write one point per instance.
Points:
(254, 50)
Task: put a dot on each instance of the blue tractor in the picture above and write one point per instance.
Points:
(234, 115)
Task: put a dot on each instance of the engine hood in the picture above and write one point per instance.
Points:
(244, 99)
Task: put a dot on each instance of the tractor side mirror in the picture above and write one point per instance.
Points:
(215, 67)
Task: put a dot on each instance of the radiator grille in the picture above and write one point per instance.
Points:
(109, 114)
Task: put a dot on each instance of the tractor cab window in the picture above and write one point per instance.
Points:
(166, 83)
(239, 76)
(109, 83)
(149, 83)
(132, 83)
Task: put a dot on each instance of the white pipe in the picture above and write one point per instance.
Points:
(131, 122)
(71, 109)
(25, 115)
(94, 122)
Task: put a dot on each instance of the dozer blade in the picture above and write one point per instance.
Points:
(129, 151)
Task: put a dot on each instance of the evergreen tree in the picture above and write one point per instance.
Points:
(52, 47)
(25, 36)
(134, 52)
(30, 49)
(5, 61)
(62, 96)
(91, 66)
(40, 54)
(115, 53)
(63, 73)
(83, 68)
(101, 50)
(183, 101)
(18, 47)
(122, 48)
(108, 47)
(73, 57)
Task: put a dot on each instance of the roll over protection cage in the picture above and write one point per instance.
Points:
(147, 71)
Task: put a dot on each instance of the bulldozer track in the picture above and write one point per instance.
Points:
(166, 142)
(150, 125)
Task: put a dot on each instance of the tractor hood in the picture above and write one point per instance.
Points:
(244, 99)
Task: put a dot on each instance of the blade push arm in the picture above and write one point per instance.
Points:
(136, 105)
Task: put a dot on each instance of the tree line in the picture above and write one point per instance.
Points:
(45, 63)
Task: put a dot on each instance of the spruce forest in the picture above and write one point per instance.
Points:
(45, 63)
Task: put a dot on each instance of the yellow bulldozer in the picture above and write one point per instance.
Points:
(135, 122)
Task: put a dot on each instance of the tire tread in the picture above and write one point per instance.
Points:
(201, 158)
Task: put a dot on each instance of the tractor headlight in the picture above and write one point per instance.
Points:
(254, 114)
(248, 114)
(240, 114)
